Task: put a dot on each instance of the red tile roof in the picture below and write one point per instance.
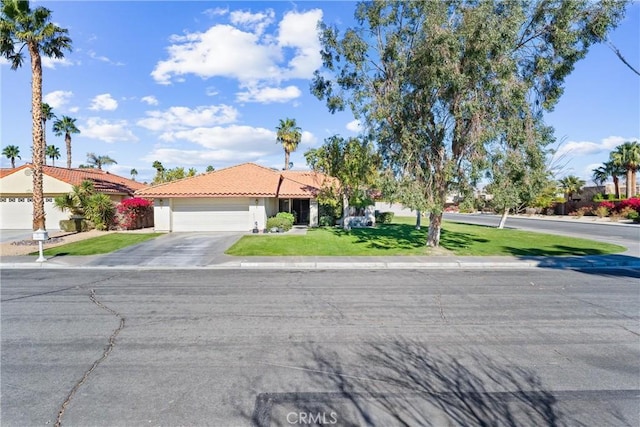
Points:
(244, 180)
(103, 181)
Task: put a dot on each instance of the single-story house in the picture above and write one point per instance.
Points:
(16, 192)
(237, 198)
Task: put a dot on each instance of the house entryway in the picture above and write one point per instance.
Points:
(299, 207)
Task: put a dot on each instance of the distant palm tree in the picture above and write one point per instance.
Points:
(53, 153)
(159, 172)
(133, 173)
(11, 152)
(23, 28)
(210, 168)
(289, 135)
(47, 114)
(66, 126)
(627, 156)
(570, 185)
(99, 161)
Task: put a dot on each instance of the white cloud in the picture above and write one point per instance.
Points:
(176, 118)
(238, 138)
(93, 55)
(107, 131)
(216, 11)
(223, 51)
(308, 138)
(74, 109)
(298, 31)
(174, 156)
(256, 22)
(103, 102)
(57, 98)
(354, 126)
(52, 63)
(246, 55)
(268, 95)
(211, 91)
(583, 148)
(149, 100)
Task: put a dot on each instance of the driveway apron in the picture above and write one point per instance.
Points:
(173, 250)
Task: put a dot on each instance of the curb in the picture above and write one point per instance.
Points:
(455, 265)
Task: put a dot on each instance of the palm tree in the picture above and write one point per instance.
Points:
(133, 173)
(53, 153)
(288, 134)
(66, 126)
(627, 156)
(609, 169)
(11, 152)
(99, 161)
(159, 172)
(22, 27)
(571, 184)
(47, 114)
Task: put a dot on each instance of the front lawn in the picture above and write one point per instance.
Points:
(401, 238)
(100, 245)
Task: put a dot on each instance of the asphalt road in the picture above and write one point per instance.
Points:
(628, 235)
(278, 348)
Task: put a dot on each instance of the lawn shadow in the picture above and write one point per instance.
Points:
(401, 382)
(558, 250)
(387, 236)
(455, 240)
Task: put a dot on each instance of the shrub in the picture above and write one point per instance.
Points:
(607, 204)
(101, 211)
(601, 211)
(580, 212)
(75, 225)
(283, 223)
(633, 203)
(384, 217)
(598, 197)
(135, 213)
(326, 221)
(286, 216)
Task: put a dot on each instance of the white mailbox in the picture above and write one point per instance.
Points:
(40, 235)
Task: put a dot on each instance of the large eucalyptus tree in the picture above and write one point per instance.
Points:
(436, 83)
(25, 29)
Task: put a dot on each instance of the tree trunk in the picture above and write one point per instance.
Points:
(418, 215)
(633, 182)
(67, 141)
(503, 219)
(38, 140)
(435, 225)
(616, 184)
(629, 183)
(345, 211)
(286, 160)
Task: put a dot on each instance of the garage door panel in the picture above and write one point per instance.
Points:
(211, 215)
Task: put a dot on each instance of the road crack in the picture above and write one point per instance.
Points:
(441, 308)
(107, 351)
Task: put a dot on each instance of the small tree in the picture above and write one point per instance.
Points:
(53, 153)
(288, 134)
(99, 161)
(571, 185)
(134, 174)
(66, 126)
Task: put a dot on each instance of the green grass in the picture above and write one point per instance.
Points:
(100, 245)
(401, 238)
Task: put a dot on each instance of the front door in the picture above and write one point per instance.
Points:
(301, 209)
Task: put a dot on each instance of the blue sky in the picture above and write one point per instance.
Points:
(205, 83)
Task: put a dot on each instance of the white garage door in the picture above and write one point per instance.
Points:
(211, 215)
(16, 213)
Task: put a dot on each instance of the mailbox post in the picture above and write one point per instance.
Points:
(40, 236)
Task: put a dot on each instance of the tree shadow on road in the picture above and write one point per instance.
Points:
(403, 383)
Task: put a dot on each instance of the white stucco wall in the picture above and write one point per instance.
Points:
(162, 214)
(313, 213)
(258, 212)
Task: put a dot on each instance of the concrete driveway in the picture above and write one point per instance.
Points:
(173, 250)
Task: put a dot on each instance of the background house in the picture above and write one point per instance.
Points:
(16, 192)
(237, 198)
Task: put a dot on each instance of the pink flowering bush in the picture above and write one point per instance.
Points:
(135, 213)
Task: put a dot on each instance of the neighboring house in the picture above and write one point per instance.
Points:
(237, 198)
(16, 192)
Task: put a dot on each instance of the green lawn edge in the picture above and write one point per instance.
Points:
(402, 239)
(99, 245)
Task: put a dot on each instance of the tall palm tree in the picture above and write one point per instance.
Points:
(66, 126)
(11, 152)
(53, 153)
(627, 156)
(571, 184)
(615, 172)
(22, 27)
(99, 161)
(47, 114)
(289, 135)
(133, 173)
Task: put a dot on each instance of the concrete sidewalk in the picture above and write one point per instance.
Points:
(342, 263)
